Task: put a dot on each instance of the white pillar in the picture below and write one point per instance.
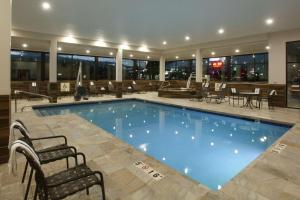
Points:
(5, 24)
(199, 66)
(119, 65)
(162, 70)
(53, 62)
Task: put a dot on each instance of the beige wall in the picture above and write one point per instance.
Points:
(277, 54)
(5, 24)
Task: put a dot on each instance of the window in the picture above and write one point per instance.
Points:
(68, 65)
(252, 67)
(293, 74)
(179, 70)
(65, 67)
(106, 69)
(140, 69)
(29, 66)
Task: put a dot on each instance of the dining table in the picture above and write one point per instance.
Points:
(249, 96)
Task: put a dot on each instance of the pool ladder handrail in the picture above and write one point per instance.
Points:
(31, 94)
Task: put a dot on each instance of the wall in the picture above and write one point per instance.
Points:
(5, 24)
(277, 54)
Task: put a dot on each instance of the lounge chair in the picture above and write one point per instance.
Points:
(271, 99)
(33, 88)
(93, 89)
(111, 88)
(64, 183)
(205, 90)
(220, 92)
(201, 93)
(103, 90)
(135, 87)
(47, 155)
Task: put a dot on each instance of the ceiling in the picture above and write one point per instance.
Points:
(150, 22)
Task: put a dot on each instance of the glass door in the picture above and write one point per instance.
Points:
(293, 74)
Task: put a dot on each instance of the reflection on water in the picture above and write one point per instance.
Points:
(207, 147)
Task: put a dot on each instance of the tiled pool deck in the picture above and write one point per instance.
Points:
(272, 176)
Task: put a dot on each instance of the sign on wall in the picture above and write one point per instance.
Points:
(65, 87)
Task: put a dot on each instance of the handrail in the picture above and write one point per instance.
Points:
(23, 108)
(29, 93)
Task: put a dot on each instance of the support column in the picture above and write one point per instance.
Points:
(119, 65)
(5, 91)
(119, 73)
(53, 62)
(162, 69)
(199, 66)
(53, 86)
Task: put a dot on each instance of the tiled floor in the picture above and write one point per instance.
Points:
(272, 176)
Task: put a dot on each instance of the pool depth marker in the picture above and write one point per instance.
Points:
(149, 170)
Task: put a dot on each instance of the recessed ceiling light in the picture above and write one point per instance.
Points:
(193, 55)
(176, 57)
(164, 43)
(88, 51)
(46, 6)
(187, 38)
(144, 48)
(59, 48)
(213, 53)
(237, 51)
(267, 47)
(269, 21)
(111, 53)
(25, 45)
(221, 31)
(148, 57)
(124, 45)
(131, 55)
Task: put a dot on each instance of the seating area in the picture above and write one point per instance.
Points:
(57, 186)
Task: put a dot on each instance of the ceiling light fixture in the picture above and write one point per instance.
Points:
(194, 55)
(131, 55)
(144, 48)
(213, 53)
(177, 57)
(267, 47)
(46, 5)
(148, 57)
(221, 31)
(59, 48)
(187, 38)
(69, 39)
(111, 53)
(125, 45)
(164, 43)
(88, 51)
(24, 45)
(101, 43)
(269, 21)
(237, 51)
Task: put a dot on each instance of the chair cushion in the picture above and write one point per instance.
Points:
(46, 157)
(64, 190)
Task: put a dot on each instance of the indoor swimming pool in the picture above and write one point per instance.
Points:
(209, 148)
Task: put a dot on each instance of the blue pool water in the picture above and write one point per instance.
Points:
(208, 148)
